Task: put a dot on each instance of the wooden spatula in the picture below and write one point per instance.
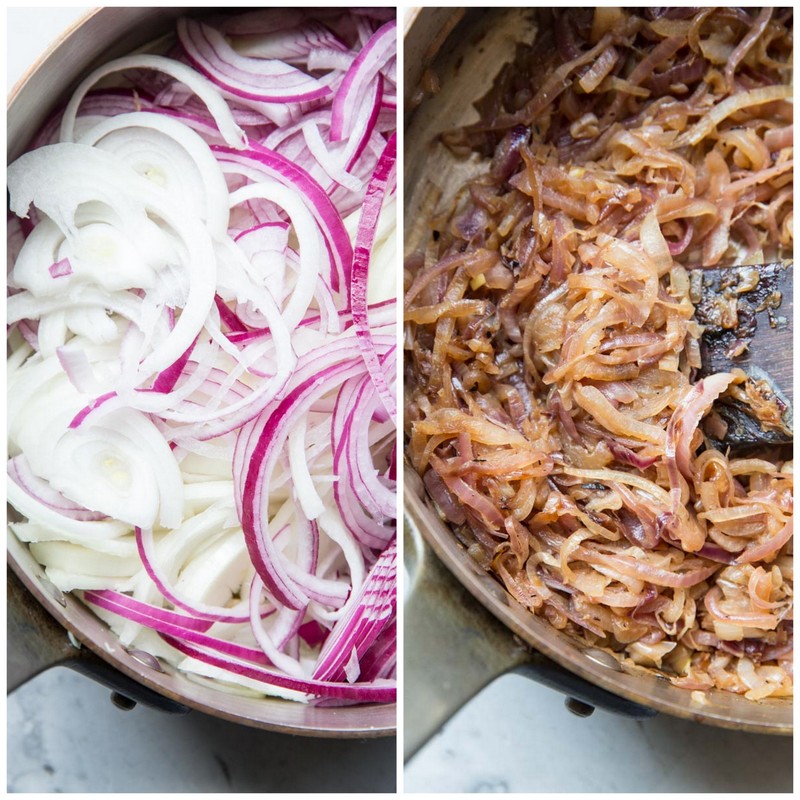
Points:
(747, 315)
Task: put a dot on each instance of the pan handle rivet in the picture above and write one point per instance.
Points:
(578, 707)
(602, 658)
(146, 659)
(122, 702)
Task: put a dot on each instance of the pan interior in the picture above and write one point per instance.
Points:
(104, 34)
(462, 53)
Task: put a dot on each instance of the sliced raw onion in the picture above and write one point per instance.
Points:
(202, 433)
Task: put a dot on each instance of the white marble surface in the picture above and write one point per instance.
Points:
(30, 31)
(64, 735)
(517, 736)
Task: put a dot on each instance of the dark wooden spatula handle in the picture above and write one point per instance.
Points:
(747, 315)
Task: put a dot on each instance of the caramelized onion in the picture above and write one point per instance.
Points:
(553, 403)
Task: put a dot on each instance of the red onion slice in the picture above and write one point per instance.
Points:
(266, 80)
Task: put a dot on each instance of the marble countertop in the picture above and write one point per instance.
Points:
(64, 735)
(517, 736)
(30, 31)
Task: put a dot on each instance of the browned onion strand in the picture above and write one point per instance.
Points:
(552, 403)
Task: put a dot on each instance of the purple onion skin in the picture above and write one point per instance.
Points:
(714, 553)
(452, 511)
(626, 456)
(752, 648)
(565, 37)
(677, 248)
(471, 224)
(507, 156)
(636, 531)
(686, 72)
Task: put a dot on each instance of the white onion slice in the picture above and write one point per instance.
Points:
(198, 84)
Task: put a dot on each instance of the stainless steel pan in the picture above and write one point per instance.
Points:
(34, 642)
(461, 628)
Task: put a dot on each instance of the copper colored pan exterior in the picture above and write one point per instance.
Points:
(101, 35)
(465, 51)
